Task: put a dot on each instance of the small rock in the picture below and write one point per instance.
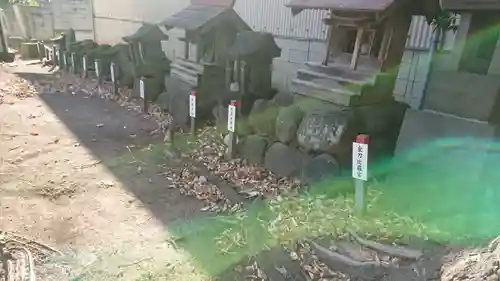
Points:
(320, 168)
(202, 179)
(287, 123)
(263, 117)
(254, 149)
(283, 160)
(283, 99)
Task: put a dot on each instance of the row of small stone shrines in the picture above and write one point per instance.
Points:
(295, 136)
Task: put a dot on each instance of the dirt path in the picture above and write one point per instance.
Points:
(69, 178)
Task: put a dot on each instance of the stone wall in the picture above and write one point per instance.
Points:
(310, 139)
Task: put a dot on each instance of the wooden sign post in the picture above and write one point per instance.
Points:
(360, 171)
(143, 95)
(85, 67)
(73, 63)
(65, 61)
(231, 127)
(113, 71)
(192, 111)
(98, 72)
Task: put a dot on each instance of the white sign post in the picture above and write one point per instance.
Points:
(85, 69)
(192, 104)
(360, 170)
(231, 117)
(73, 63)
(192, 111)
(112, 69)
(97, 65)
(141, 89)
(65, 61)
(142, 92)
(231, 127)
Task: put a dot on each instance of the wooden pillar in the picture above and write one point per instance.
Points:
(357, 47)
(397, 42)
(328, 44)
(186, 50)
(382, 53)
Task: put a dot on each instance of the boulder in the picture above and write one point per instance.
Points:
(320, 168)
(254, 149)
(262, 118)
(284, 160)
(328, 132)
(283, 99)
(287, 123)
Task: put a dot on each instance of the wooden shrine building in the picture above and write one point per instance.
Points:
(365, 43)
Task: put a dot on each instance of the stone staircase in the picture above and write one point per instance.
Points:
(338, 84)
(186, 70)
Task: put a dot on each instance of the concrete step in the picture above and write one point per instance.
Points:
(182, 68)
(189, 64)
(309, 75)
(336, 95)
(192, 80)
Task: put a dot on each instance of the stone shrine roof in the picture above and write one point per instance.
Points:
(197, 16)
(342, 5)
(147, 32)
(250, 42)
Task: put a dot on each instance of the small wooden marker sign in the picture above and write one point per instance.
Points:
(142, 89)
(112, 69)
(192, 104)
(65, 61)
(97, 66)
(231, 116)
(84, 64)
(192, 111)
(73, 62)
(360, 170)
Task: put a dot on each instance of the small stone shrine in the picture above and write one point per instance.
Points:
(210, 28)
(365, 43)
(149, 60)
(249, 64)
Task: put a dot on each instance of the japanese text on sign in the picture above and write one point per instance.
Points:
(360, 161)
(231, 117)
(141, 88)
(192, 105)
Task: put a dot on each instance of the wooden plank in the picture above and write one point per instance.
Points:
(357, 48)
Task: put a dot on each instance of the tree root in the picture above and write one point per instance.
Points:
(367, 270)
(395, 251)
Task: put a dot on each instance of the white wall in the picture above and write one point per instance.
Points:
(114, 19)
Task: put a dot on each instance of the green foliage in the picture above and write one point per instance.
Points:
(443, 20)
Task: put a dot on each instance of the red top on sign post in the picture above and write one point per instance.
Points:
(194, 93)
(365, 139)
(235, 103)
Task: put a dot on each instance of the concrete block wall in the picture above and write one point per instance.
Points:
(294, 53)
(412, 77)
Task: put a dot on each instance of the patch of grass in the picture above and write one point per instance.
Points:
(219, 243)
